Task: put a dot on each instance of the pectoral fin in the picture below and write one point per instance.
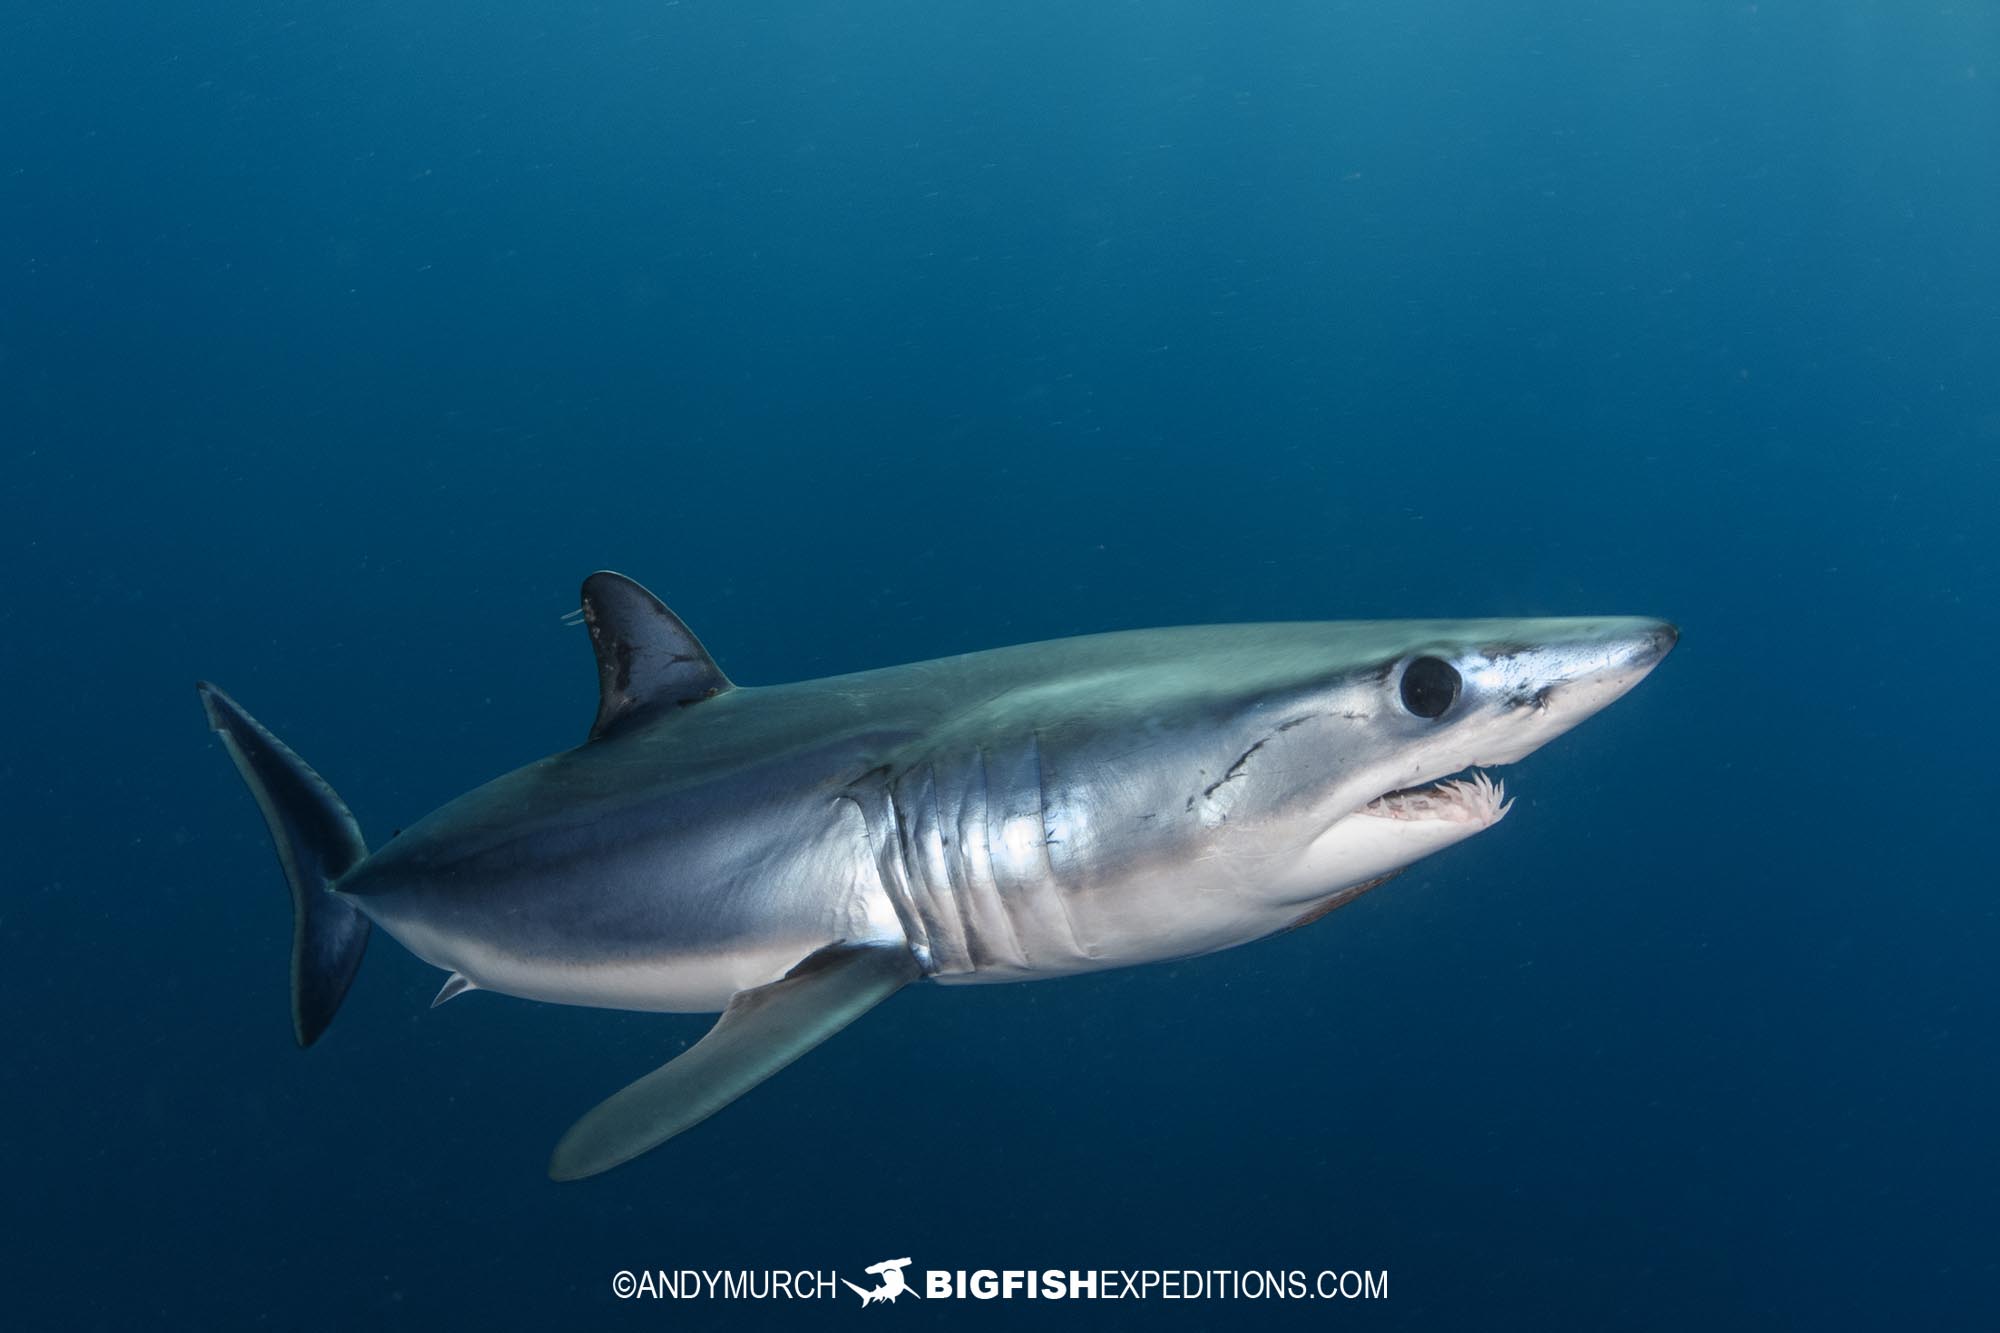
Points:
(761, 1032)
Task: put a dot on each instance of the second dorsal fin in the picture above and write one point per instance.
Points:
(647, 659)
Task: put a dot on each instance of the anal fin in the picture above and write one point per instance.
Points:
(455, 985)
(761, 1032)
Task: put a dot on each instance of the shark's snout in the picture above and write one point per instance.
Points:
(1569, 677)
(1626, 643)
(1659, 640)
(1595, 669)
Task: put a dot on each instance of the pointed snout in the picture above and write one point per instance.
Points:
(1605, 658)
(1601, 662)
(1656, 641)
(1567, 671)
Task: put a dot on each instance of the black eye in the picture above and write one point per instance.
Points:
(1430, 684)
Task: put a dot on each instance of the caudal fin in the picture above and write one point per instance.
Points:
(317, 842)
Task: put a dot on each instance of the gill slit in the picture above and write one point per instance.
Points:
(986, 835)
(1048, 857)
(953, 884)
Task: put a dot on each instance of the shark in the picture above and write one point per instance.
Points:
(893, 1283)
(792, 855)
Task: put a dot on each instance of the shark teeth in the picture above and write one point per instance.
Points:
(1474, 798)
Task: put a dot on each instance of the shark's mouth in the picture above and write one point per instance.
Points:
(1469, 797)
(1400, 827)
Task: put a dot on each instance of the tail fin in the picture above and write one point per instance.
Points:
(318, 841)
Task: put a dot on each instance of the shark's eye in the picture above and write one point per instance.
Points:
(1430, 685)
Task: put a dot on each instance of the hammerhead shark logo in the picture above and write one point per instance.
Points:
(893, 1285)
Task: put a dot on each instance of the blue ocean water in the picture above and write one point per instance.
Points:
(337, 342)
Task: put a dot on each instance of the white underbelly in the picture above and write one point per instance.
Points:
(665, 980)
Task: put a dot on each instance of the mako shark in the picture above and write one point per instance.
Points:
(792, 855)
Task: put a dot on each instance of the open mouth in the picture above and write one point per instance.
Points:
(1468, 797)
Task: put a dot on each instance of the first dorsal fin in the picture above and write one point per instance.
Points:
(647, 659)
